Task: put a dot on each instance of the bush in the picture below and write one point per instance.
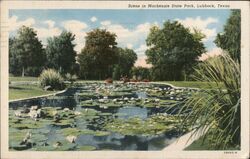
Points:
(71, 78)
(52, 78)
(216, 109)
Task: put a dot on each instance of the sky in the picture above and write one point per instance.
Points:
(131, 26)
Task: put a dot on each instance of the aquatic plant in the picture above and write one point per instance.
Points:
(155, 125)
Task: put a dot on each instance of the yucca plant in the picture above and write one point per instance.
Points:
(216, 111)
(52, 78)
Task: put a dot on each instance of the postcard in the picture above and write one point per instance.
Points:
(124, 79)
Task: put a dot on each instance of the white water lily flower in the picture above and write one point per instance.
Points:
(101, 100)
(57, 144)
(71, 138)
(105, 107)
(18, 113)
(171, 97)
(121, 102)
(33, 114)
(54, 113)
(39, 113)
(172, 92)
(157, 100)
(77, 113)
(35, 107)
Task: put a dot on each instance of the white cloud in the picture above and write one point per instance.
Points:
(15, 24)
(125, 35)
(74, 25)
(141, 61)
(93, 19)
(50, 23)
(141, 50)
(130, 46)
(44, 33)
(77, 28)
(106, 22)
(214, 52)
(202, 25)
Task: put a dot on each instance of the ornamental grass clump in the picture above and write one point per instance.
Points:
(216, 111)
(52, 79)
(71, 78)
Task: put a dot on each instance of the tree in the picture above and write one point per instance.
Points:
(173, 50)
(99, 54)
(26, 53)
(126, 60)
(14, 64)
(230, 38)
(60, 52)
(140, 73)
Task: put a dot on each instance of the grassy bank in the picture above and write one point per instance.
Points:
(193, 84)
(26, 91)
(18, 79)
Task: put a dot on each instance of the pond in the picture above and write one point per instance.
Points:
(98, 116)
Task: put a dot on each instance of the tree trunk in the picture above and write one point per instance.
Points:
(23, 72)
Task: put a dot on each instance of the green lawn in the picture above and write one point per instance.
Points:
(194, 84)
(26, 91)
(17, 79)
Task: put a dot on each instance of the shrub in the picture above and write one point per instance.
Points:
(52, 78)
(216, 109)
(71, 78)
(109, 80)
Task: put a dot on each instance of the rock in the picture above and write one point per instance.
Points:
(66, 109)
(48, 88)
(34, 107)
(71, 138)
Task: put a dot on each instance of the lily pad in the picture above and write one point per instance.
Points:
(86, 148)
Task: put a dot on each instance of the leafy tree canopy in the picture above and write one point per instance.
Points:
(126, 60)
(230, 38)
(173, 50)
(60, 52)
(99, 53)
(26, 53)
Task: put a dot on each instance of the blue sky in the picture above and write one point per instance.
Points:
(131, 26)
